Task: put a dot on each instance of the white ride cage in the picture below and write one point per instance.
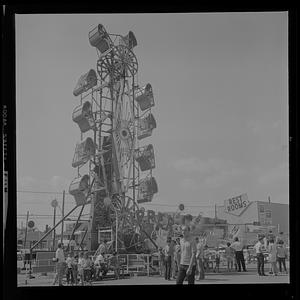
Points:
(83, 116)
(144, 97)
(83, 152)
(79, 188)
(85, 82)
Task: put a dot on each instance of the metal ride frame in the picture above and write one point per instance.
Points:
(112, 106)
(114, 174)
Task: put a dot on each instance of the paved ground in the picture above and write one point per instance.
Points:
(211, 278)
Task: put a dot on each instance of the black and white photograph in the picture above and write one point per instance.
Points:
(152, 149)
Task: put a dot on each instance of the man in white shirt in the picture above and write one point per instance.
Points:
(60, 259)
(239, 255)
(100, 265)
(188, 257)
(260, 256)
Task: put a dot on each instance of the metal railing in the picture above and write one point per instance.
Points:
(130, 263)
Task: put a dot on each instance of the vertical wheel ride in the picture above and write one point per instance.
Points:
(115, 114)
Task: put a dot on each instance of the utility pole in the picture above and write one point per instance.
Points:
(54, 214)
(27, 217)
(62, 217)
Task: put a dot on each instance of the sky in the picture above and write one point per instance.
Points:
(220, 83)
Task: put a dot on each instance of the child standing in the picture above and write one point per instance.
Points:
(69, 275)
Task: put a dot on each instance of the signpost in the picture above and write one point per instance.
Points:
(54, 204)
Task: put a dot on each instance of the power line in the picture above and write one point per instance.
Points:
(38, 215)
(40, 192)
(153, 204)
(175, 205)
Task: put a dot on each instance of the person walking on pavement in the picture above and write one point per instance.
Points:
(173, 259)
(272, 249)
(206, 256)
(188, 257)
(177, 255)
(161, 261)
(229, 254)
(199, 259)
(260, 256)
(238, 248)
(61, 264)
(217, 261)
(168, 253)
(281, 256)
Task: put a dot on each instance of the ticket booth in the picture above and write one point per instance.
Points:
(144, 97)
(83, 152)
(145, 157)
(85, 82)
(145, 126)
(147, 188)
(79, 189)
(83, 116)
(100, 39)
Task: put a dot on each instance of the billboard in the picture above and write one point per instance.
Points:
(236, 205)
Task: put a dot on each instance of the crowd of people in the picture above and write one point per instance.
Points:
(188, 258)
(83, 268)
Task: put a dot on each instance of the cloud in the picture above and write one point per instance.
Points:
(59, 182)
(26, 181)
(261, 127)
(55, 183)
(279, 173)
(219, 179)
(211, 173)
(194, 164)
(254, 126)
(189, 184)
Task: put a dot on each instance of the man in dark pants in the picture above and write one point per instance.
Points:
(168, 253)
(187, 265)
(260, 256)
(238, 248)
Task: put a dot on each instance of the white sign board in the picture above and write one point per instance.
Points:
(236, 205)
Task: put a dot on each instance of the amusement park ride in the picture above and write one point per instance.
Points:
(114, 172)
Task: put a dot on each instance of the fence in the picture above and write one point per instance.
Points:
(144, 264)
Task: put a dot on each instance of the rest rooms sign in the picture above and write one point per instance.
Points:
(236, 205)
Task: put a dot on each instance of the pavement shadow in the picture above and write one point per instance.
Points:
(231, 273)
(212, 279)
